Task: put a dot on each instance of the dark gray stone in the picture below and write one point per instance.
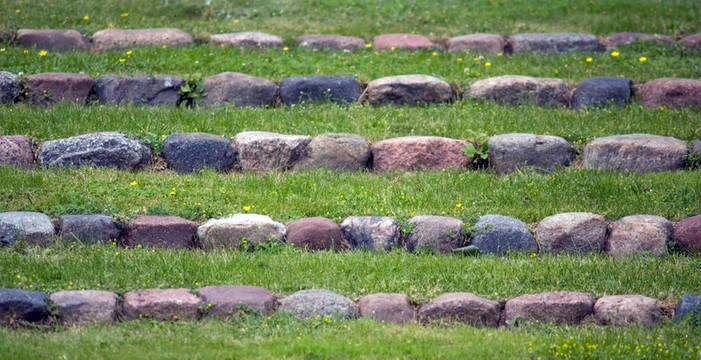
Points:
(311, 303)
(498, 234)
(371, 232)
(508, 152)
(191, 152)
(56, 40)
(9, 87)
(89, 228)
(161, 90)
(688, 304)
(338, 89)
(22, 305)
(34, 227)
(553, 42)
(343, 152)
(99, 149)
(264, 151)
(440, 233)
(226, 300)
(236, 89)
(602, 91)
(635, 152)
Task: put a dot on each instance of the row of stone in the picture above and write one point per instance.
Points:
(85, 307)
(236, 89)
(264, 151)
(571, 233)
(61, 40)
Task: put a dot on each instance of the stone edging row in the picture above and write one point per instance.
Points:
(85, 307)
(571, 233)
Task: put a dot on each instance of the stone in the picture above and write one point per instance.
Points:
(408, 89)
(341, 152)
(562, 307)
(9, 87)
(521, 90)
(85, 307)
(477, 43)
(265, 151)
(639, 234)
(34, 227)
(689, 305)
(623, 310)
(106, 149)
(249, 39)
(161, 90)
(692, 42)
(226, 300)
(316, 233)
(394, 308)
(572, 233)
(126, 38)
(418, 153)
(626, 38)
(671, 92)
(687, 234)
(319, 88)
(55, 40)
(230, 231)
(22, 305)
(161, 304)
(89, 228)
(635, 152)
(49, 88)
(509, 152)
(311, 303)
(498, 234)
(402, 41)
(371, 232)
(186, 153)
(696, 146)
(553, 42)
(16, 150)
(331, 42)
(463, 307)
(439, 233)
(601, 92)
(236, 89)
(160, 231)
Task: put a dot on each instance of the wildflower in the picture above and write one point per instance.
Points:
(122, 60)
(125, 14)
(367, 46)
(236, 20)
(615, 54)
(2, 50)
(26, 51)
(499, 54)
(285, 48)
(18, 11)
(488, 64)
(458, 205)
(246, 208)
(476, 59)
(392, 48)
(85, 17)
(128, 52)
(589, 59)
(459, 59)
(642, 59)
(222, 46)
(434, 53)
(133, 183)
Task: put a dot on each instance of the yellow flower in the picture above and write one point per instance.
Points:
(615, 53)
(125, 14)
(589, 59)
(367, 46)
(434, 53)
(85, 17)
(236, 20)
(128, 52)
(26, 51)
(2, 50)
(458, 205)
(499, 54)
(459, 59)
(246, 208)
(488, 64)
(133, 183)
(122, 60)
(18, 11)
(476, 59)
(285, 48)
(642, 59)
(222, 46)
(392, 48)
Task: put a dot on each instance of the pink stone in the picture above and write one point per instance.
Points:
(316, 233)
(160, 231)
(333, 42)
(687, 234)
(419, 152)
(692, 42)
(47, 88)
(622, 310)
(394, 308)
(556, 307)
(16, 150)
(463, 307)
(85, 307)
(226, 300)
(671, 92)
(402, 41)
(639, 234)
(125, 38)
(161, 304)
(481, 43)
(55, 40)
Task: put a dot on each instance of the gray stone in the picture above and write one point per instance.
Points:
(343, 152)
(187, 153)
(56, 40)
(439, 233)
(159, 231)
(22, 305)
(562, 307)
(226, 300)
(161, 304)
(635, 152)
(49, 88)
(402, 41)
(106, 149)
(16, 150)
(9, 87)
(602, 91)
(639, 234)
(126, 38)
(498, 234)
(625, 38)
(34, 227)
(521, 90)
(89, 228)
(371, 232)
(265, 151)
(689, 304)
(671, 92)
(331, 42)
(311, 303)
(247, 39)
(509, 152)
(623, 310)
(316, 233)
(394, 308)
(463, 307)
(479, 43)
(161, 90)
(333, 88)
(687, 234)
(230, 231)
(413, 153)
(572, 233)
(692, 42)
(553, 42)
(85, 307)
(408, 89)
(236, 89)
(696, 146)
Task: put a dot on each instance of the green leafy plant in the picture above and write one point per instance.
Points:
(192, 91)
(516, 321)
(480, 152)
(693, 160)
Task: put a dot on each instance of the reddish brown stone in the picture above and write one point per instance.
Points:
(402, 41)
(160, 231)
(124, 38)
(316, 233)
(161, 304)
(56, 40)
(671, 92)
(692, 42)
(556, 307)
(622, 310)
(226, 300)
(47, 88)
(687, 234)
(85, 307)
(481, 43)
(639, 234)
(16, 150)
(625, 38)
(419, 152)
(333, 42)
(394, 308)
(464, 307)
